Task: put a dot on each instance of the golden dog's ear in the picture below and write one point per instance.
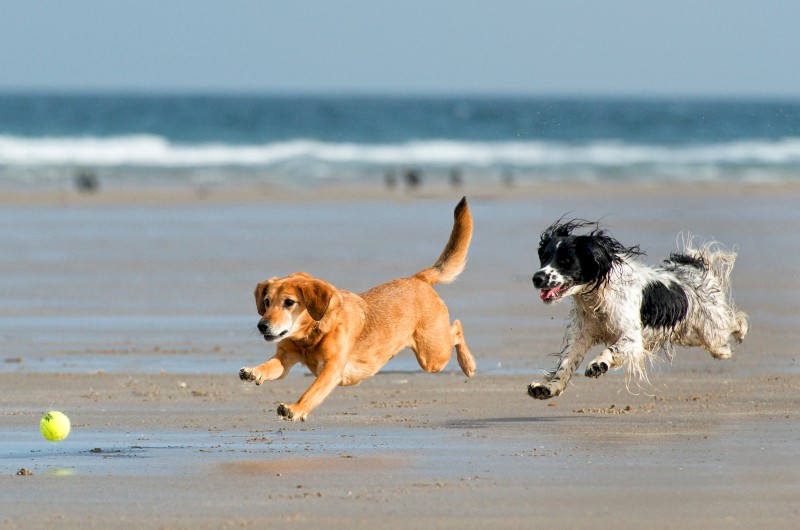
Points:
(317, 296)
(261, 292)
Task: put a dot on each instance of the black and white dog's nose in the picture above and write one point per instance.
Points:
(539, 279)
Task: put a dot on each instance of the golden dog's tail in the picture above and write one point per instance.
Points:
(454, 256)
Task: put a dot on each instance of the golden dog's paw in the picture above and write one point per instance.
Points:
(246, 374)
(286, 412)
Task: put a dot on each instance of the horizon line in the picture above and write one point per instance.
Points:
(380, 94)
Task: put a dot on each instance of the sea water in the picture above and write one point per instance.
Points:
(298, 140)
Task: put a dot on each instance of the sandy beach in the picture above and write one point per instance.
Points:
(131, 311)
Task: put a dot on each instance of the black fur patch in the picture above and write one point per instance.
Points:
(685, 259)
(663, 306)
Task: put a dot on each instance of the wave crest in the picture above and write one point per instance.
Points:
(156, 152)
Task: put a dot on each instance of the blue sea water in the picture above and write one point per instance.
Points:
(307, 138)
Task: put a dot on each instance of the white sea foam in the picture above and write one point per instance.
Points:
(156, 152)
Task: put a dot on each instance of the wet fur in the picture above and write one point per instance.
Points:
(634, 309)
(344, 337)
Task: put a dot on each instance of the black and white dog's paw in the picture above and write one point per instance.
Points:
(596, 369)
(541, 391)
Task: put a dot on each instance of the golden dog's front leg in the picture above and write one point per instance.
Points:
(275, 368)
(328, 379)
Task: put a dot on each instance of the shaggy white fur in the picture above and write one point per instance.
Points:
(634, 309)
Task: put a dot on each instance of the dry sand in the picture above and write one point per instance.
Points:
(130, 310)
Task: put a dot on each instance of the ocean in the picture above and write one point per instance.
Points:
(301, 140)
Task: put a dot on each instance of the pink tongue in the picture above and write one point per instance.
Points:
(548, 294)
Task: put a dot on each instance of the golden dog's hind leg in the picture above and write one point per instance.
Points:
(465, 359)
(433, 346)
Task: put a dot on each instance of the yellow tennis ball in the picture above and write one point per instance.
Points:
(54, 426)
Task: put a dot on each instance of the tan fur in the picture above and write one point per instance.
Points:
(344, 337)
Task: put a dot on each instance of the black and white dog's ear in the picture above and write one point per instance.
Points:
(596, 256)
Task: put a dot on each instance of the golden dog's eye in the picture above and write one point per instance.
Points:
(266, 302)
(288, 303)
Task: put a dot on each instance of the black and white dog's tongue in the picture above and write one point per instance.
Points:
(547, 294)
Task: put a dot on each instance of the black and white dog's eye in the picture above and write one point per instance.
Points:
(288, 303)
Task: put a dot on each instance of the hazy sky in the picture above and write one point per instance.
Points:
(559, 47)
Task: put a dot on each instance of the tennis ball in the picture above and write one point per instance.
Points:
(54, 426)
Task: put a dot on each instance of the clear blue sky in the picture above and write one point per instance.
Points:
(558, 47)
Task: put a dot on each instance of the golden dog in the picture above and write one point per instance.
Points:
(344, 338)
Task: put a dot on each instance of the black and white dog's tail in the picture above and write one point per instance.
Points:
(718, 261)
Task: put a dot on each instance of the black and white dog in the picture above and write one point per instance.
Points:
(633, 309)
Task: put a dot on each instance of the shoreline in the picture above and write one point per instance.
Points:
(172, 194)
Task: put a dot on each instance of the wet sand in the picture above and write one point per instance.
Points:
(131, 311)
